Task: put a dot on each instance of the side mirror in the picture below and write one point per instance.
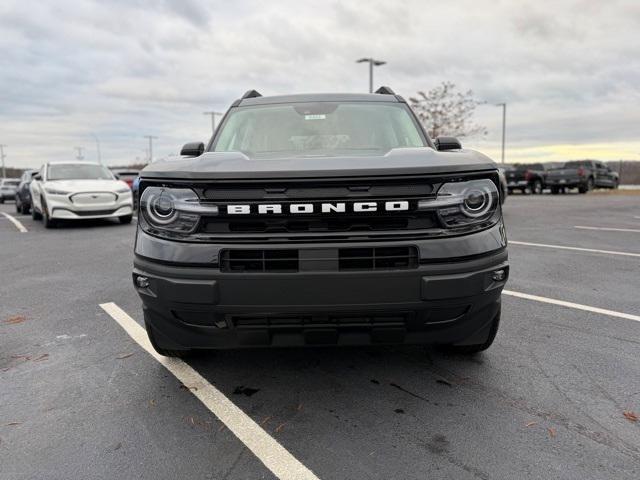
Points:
(447, 143)
(193, 149)
(37, 176)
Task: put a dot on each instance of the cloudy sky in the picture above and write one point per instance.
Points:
(122, 69)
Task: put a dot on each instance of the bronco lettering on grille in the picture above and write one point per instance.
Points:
(321, 208)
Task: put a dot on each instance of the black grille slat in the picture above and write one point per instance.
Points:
(346, 224)
(344, 259)
(353, 189)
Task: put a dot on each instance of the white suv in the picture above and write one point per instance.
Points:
(79, 190)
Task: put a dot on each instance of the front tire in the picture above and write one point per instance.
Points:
(476, 348)
(537, 188)
(18, 205)
(35, 214)
(46, 219)
(588, 187)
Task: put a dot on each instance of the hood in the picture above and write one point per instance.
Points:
(399, 161)
(75, 186)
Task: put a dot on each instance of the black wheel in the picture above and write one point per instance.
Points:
(588, 187)
(1, 199)
(25, 209)
(480, 347)
(35, 214)
(126, 219)
(18, 205)
(536, 188)
(46, 219)
(165, 352)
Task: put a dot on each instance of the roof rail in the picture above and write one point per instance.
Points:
(385, 91)
(251, 94)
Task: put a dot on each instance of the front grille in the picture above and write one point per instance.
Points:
(259, 261)
(341, 321)
(378, 258)
(316, 226)
(326, 259)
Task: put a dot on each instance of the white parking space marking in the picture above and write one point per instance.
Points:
(577, 306)
(274, 456)
(577, 249)
(16, 222)
(607, 229)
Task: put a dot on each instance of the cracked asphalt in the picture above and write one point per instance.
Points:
(80, 399)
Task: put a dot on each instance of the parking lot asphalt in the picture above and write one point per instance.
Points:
(80, 399)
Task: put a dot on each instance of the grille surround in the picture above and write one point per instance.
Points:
(347, 259)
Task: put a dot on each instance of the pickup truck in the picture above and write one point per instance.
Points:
(528, 178)
(321, 219)
(585, 175)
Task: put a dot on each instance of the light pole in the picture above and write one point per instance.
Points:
(4, 173)
(504, 124)
(372, 63)
(213, 119)
(150, 137)
(97, 148)
(79, 149)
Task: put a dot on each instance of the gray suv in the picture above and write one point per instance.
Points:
(315, 220)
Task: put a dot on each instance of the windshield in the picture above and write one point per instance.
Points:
(321, 128)
(78, 171)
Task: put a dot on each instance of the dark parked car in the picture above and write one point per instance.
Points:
(585, 175)
(528, 178)
(126, 175)
(8, 188)
(23, 195)
(328, 219)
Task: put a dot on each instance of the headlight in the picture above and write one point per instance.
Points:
(176, 210)
(123, 190)
(461, 204)
(55, 191)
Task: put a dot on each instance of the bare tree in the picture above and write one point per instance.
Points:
(445, 111)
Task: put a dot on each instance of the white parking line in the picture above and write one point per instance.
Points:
(607, 229)
(577, 306)
(16, 222)
(578, 249)
(274, 456)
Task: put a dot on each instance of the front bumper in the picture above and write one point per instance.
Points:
(61, 207)
(199, 306)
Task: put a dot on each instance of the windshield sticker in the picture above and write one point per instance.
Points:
(315, 117)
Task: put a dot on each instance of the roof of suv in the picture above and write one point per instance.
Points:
(318, 97)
